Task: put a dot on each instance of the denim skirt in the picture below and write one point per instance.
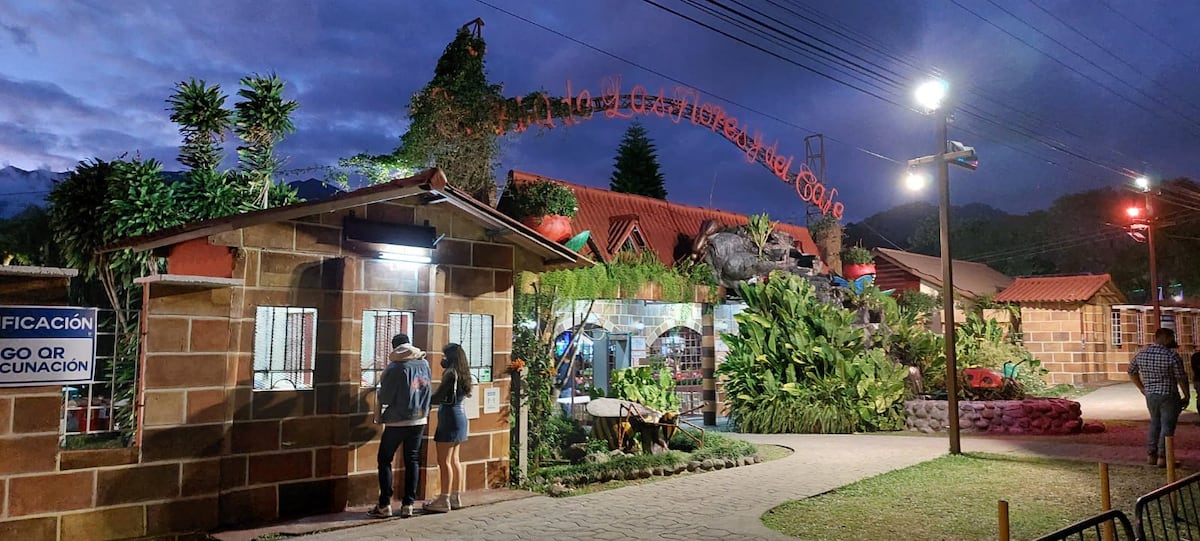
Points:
(452, 424)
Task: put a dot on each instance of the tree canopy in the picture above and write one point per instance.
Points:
(636, 169)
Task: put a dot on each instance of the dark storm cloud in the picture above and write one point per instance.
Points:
(19, 36)
(99, 90)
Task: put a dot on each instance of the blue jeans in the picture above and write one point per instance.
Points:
(393, 438)
(1164, 414)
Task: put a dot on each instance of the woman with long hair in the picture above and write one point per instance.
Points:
(452, 427)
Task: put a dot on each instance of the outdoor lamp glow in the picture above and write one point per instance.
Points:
(915, 181)
(1142, 183)
(931, 94)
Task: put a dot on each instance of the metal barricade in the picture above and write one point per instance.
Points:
(1171, 513)
(1092, 529)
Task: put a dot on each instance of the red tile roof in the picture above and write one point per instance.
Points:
(970, 279)
(609, 214)
(1055, 288)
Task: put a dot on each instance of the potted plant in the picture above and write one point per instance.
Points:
(545, 206)
(857, 262)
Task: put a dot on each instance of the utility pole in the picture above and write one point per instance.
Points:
(1153, 264)
(932, 96)
(947, 285)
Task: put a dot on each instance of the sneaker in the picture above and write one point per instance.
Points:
(456, 501)
(406, 511)
(440, 505)
(380, 511)
(1152, 459)
(1162, 462)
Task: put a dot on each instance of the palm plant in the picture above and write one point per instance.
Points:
(263, 118)
(199, 110)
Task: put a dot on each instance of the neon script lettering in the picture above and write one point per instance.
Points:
(519, 114)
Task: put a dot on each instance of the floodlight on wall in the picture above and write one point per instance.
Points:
(393, 242)
(407, 254)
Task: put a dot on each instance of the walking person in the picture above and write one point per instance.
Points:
(451, 428)
(1158, 373)
(402, 406)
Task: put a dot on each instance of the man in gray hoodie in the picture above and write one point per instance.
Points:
(402, 405)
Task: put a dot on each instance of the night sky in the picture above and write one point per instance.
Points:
(89, 79)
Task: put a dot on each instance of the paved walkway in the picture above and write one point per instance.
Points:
(723, 504)
(728, 504)
(1121, 402)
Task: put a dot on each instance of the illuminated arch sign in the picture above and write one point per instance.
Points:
(46, 345)
(681, 104)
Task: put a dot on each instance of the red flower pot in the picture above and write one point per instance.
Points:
(554, 227)
(855, 271)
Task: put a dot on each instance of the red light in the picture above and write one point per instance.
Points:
(1133, 212)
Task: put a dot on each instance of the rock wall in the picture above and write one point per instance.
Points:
(1029, 416)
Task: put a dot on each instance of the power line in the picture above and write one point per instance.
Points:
(1127, 19)
(1054, 58)
(877, 46)
(679, 81)
(1101, 46)
(1019, 130)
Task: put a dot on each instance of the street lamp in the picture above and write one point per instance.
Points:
(933, 97)
(1146, 225)
(915, 181)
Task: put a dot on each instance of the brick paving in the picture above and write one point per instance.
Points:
(724, 504)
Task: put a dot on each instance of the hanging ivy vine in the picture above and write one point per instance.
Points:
(627, 275)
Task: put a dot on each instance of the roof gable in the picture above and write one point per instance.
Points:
(1058, 289)
(970, 279)
(430, 184)
(667, 229)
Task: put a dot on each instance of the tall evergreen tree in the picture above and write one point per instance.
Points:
(636, 167)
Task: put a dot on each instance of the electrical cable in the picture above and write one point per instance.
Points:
(680, 81)
(1054, 58)
(1101, 46)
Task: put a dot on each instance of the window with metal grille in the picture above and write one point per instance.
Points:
(1115, 319)
(1196, 330)
(474, 333)
(1140, 327)
(378, 328)
(681, 346)
(285, 344)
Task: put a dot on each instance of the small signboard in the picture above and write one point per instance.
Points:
(470, 404)
(491, 400)
(46, 345)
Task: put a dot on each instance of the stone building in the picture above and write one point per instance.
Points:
(1084, 330)
(261, 347)
(1065, 322)
(629, 331)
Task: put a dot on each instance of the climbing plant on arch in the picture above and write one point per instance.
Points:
(458, 116)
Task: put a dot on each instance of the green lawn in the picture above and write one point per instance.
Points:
(954, 498)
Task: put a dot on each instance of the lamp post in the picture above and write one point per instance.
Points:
(1143, 184)
(932, 96)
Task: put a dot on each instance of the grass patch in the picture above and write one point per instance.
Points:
(954, 498)
(773, 452)
(621, 471)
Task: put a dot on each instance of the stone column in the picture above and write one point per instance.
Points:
(708, 365)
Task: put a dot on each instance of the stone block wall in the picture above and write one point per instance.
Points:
(1029, 416)
(213, 451)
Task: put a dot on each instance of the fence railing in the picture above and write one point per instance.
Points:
(1092, 529)
(1170, 513)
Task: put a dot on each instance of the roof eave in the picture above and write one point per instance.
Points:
(553, 254)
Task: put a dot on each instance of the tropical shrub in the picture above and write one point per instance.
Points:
(539, 198)
(640, 384)
(797, 364)
(857, 255)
